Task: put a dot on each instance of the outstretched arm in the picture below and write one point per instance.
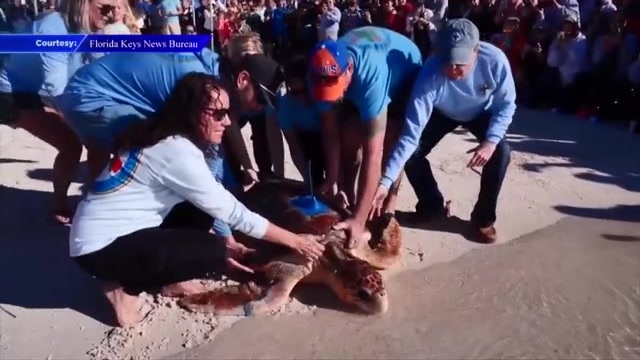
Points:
(374, 132)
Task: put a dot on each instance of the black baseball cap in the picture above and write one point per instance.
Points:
(266, 74)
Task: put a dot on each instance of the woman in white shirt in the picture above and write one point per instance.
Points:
(145, 223)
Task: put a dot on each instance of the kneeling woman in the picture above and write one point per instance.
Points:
(145, 223)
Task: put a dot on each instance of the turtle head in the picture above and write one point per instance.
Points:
(355, 282)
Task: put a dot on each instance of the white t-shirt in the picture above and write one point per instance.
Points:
(140, 187)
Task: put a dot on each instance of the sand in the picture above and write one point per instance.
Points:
(569, 291)
(50, 309)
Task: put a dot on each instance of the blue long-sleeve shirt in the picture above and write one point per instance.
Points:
(489, 87)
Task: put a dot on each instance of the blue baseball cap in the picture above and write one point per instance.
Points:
(328, 61)
(457, 41)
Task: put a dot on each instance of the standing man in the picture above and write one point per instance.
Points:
(468, 82)
(171, 10)
(362, 80)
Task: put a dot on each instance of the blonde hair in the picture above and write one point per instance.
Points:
(76, 15)
(129, 18)
(243, 44)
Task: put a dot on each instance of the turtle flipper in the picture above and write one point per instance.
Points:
(228, 301)
(277, 296)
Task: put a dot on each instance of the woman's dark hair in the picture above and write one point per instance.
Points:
(180, 115)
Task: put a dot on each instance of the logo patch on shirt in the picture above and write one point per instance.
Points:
(118, 174)
(484, 89)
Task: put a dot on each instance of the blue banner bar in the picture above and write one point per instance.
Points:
(39, 43)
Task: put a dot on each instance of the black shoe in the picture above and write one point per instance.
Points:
(423, 217)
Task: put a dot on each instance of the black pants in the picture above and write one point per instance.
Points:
(180, 249)
(313, 152)
(420, 176)
(260, 141)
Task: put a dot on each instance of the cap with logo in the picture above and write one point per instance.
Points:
(457, 41)
(328, 61)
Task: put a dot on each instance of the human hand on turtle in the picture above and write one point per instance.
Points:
(378, 201)
(308, 245)
(237, 251)
(356, 232)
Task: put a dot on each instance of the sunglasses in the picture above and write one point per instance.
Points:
(267, 97)
(217, 114)
(105, 9)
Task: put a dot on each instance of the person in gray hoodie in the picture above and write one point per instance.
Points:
(569, 54)
(329, 21)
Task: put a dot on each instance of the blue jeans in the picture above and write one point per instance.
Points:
(418, 169)
(219, 167)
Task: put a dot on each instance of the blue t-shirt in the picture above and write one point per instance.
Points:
(295, 115)
(143, 81)
(384, 64)
(45, 74)
(168, 6)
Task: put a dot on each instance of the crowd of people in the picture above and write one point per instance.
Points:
(361, 93)
(585, 64)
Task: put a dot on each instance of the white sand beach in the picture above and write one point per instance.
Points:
(561, 168)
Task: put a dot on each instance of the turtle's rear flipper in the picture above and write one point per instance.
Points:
(228, 301)
(277, 296)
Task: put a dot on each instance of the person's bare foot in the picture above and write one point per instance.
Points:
(125, 306)
(183, 288)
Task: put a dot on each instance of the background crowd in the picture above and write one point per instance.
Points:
(574, 56)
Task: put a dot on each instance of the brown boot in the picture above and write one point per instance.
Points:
(485, 235)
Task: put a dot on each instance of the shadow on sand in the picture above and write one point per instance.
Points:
(621, 238)
(35, 265)
(614, 162)
(46, 174)
(15, 161)
(452, 225)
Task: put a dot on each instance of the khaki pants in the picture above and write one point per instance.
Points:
(172, 29)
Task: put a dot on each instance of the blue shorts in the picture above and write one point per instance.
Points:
(101, 127)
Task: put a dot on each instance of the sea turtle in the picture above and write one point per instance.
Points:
(351, 274)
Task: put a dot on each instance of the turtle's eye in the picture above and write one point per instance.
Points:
(364, 294)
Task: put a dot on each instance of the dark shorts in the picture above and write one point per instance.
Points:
(100, 128)
(180, 249)
(12, 103)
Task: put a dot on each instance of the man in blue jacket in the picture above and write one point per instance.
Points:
(467, 83)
